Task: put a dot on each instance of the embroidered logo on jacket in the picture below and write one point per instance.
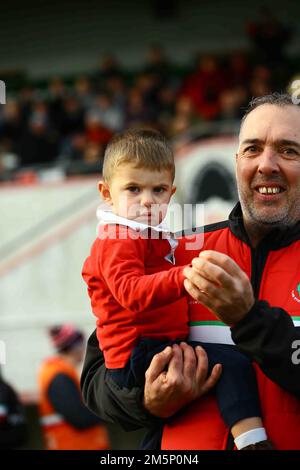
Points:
(296, 293)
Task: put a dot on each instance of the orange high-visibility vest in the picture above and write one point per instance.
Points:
(58, 434)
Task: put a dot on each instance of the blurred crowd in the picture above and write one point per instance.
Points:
(73, 122)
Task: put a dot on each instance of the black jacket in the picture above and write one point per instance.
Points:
(13, 425)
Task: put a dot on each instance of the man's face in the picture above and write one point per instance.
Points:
(268, 166)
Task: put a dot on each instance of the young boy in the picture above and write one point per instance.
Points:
(137, 292)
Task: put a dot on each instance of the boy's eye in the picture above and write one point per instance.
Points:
(159, 189)
(133, 189)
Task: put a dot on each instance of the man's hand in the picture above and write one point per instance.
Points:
(216, 281)
(166, 392)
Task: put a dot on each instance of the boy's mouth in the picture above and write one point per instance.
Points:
(144, 216)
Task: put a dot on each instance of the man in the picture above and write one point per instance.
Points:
(66, 423)
(247, 275)
(13, 423)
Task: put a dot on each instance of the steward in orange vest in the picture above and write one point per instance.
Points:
(66, 423)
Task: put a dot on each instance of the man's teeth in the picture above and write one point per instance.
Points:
(264, 190)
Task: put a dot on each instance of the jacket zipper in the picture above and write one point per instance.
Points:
(259, 257)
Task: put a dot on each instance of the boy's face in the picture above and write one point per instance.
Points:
(139, 194)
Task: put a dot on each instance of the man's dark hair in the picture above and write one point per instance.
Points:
(278, 99)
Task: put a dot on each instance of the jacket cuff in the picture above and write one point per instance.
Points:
(249, 318)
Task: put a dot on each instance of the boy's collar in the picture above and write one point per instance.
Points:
(106, 216)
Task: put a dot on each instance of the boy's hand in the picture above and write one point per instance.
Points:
(166, 392)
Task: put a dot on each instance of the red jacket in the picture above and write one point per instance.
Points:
(274, 270)
(135, 293)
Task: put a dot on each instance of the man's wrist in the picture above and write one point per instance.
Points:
(247, 316)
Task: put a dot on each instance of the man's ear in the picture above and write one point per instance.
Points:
(104, 191)
(173, 190)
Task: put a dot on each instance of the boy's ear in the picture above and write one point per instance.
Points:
(173, 190)
(104, 191)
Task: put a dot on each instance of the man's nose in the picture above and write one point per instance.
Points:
(268, 162)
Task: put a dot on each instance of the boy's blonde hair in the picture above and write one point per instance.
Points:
(145, 148)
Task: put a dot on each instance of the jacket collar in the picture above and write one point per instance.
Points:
(276, 239)
(106, 216)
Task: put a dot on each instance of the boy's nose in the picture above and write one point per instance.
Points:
(147, 200)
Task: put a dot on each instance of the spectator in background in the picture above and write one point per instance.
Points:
(204, 86)
(117, 89)
(148, 86)
(56, 96)
(110, 114)
(108, 68)
(258, 87)
(158, 65)
(67, 424)
(185, 116)
(72, 117)
(83, 91)
(261, 82)
(13, 425)
(26, 98)
(73, 149)
(231, 103)
(39, 143)
(11, 128)
(93, 155)
(237, 70)
(167, 100)
(269, 37)
(95, 131)
(136, 113)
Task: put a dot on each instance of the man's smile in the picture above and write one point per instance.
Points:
(269, 191)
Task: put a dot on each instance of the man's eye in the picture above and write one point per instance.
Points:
(251, 149)
(133, 189)
(289, 152)
(159, 190)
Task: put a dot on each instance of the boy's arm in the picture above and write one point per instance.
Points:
(121, 263)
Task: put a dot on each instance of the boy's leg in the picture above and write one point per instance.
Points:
(133, 373)
(236, 391)
(142, 356)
